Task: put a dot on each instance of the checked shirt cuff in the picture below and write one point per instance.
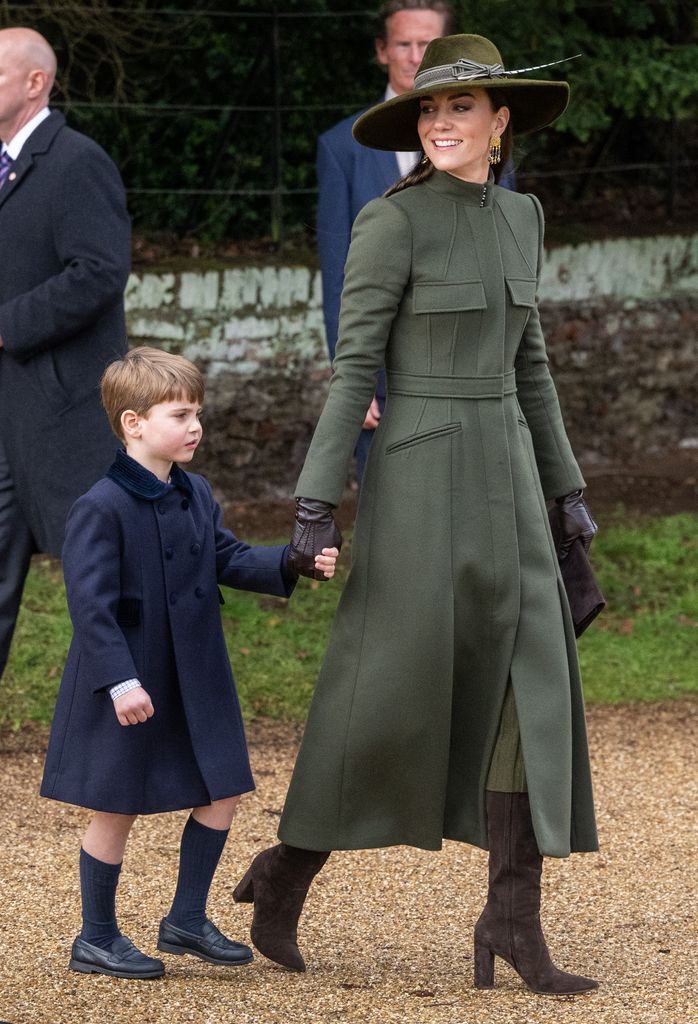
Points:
(121, 688)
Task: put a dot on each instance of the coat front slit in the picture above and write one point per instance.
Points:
(454, 586)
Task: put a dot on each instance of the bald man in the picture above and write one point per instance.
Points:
(65, 258)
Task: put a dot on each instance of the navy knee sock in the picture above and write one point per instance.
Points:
(200, 850)
(98, 882)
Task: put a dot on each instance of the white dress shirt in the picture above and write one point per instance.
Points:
(14, 146)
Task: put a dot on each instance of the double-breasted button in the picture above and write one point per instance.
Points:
(169, 552)
(199, 591)
(185, 504)
(195, 549)
(162, 508)
(173, 598)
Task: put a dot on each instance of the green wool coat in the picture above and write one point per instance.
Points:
(454, 585)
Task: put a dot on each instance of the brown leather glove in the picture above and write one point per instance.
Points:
(575, 522)
(314, 530)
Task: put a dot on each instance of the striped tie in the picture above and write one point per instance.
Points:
(5, 164)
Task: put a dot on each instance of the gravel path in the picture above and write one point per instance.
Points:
(387, 934)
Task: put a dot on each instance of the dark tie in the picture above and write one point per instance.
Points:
(5, 164)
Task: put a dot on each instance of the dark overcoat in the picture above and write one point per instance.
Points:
(66, 244)
(454, 587)
(142, 565)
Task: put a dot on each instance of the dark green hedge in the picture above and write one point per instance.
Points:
(637, 79)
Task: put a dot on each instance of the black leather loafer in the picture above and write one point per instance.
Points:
(211, 946)
(120, 960)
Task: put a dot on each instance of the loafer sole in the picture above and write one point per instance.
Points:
(169, 947)
(85, 968)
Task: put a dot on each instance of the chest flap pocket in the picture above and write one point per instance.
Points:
(438, 297)
(522, 291)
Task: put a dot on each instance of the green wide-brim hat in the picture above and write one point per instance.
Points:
(454, 62)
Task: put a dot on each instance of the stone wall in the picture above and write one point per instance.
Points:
(621, 320)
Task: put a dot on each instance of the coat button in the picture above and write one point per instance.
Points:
(199, 591)
(195, 549)
(169, 552)
(185, 504)
(173, 598)
(162, 509)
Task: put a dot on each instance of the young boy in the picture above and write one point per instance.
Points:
(147, 718)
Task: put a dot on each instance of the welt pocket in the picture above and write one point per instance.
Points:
(454, 297)
(128, 612)
(424, 435)
(522, 291)
(51, 383)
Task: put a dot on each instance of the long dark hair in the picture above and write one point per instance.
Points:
(424, 168)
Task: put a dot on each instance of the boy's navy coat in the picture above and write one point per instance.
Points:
(142, 562)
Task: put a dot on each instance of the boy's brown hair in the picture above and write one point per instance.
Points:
(143, 378)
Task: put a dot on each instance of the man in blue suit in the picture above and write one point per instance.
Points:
(66, 243)
(350, 175)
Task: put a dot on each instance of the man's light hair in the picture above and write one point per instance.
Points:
(144, 378)
(387, 10)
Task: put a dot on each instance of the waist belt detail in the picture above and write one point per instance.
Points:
(430, 386)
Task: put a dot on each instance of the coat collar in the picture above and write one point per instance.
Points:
(39, 141)
(468, 192)
(140, 482)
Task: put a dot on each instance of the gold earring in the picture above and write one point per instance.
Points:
(495, 154)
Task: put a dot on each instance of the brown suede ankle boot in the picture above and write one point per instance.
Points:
(277, 882)
(509, 926)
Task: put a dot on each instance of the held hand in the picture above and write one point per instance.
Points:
(134, 707)
(327, 562)
(315, 530)
(575, 522)
(373, 415)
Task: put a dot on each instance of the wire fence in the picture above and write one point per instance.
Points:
(278, 162)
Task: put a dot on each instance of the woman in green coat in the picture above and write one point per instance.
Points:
(449, 704)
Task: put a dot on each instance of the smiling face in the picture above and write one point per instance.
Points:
(169, 432)
(407, 35)
(455, 129)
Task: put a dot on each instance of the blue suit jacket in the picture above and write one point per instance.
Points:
(349, 176)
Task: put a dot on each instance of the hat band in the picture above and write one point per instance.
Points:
(462, 71)
(465, 70)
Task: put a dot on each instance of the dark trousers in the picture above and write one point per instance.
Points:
(16, 549)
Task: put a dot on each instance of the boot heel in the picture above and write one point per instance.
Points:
(244, 890)
(484, 967)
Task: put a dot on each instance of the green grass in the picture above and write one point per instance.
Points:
(643, 647)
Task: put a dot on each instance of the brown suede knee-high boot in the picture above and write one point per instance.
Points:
(277, 882)
(509, 926)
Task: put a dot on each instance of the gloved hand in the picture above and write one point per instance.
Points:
(314, 530)
(575, 521)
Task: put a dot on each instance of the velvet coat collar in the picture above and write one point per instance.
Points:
(140, 482)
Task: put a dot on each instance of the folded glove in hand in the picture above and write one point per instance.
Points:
(575, 522)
